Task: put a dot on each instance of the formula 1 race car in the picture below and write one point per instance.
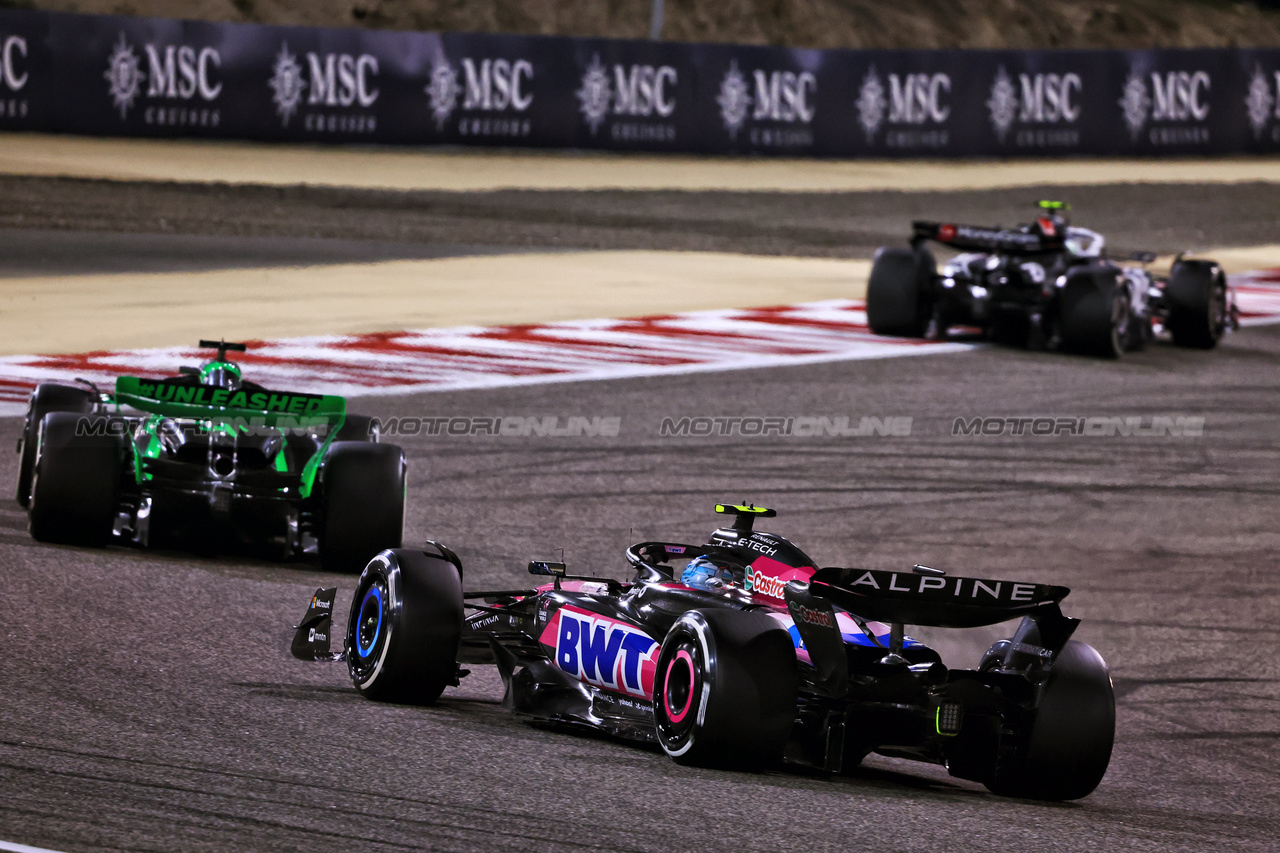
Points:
(1046, 285)
(210, 456)
(748, 656)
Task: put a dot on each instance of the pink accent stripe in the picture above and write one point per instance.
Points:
(672, 715)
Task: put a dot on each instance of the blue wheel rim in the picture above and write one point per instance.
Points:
(375, 595)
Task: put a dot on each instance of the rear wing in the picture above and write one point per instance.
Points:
(182, 398)
(1010, 241)
(933, 600)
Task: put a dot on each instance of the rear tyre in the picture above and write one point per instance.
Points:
(404, 627)
(899, 301)
(75, 485)
(1196, 296)
(1068, 747)
(358, 428)
(45, 399)
(362, 503)
(724, 693)
(1095, 314)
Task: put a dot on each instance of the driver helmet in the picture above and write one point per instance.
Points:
(220, 374)
(702, 573)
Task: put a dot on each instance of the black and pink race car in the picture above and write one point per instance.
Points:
(760, 658)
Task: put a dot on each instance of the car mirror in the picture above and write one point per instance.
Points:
(543, 567)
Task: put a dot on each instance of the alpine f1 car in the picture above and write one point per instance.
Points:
(1044, 285)
(210, 456)
(748, 656)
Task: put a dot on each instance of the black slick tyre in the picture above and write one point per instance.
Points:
(724, 693)
(361, 510)
(1196, 297)
(899, 301)
(75, 484)
(1068, 747)
(358, 428)
(46, 398)
(1095, 314)
(404, 627)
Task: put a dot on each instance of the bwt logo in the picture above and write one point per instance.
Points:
(606, 653)
(639, 91)
(13, 60)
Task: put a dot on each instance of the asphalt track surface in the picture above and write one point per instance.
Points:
(1163, 218)
(152, 704)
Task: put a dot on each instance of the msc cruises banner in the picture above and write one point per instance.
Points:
(119, 76)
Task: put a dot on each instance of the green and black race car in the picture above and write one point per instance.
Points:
(209, 457)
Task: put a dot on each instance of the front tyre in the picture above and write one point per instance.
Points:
(1068, 746)
(362, 503)
(404, 627)
(1196, 296)
(724, 692)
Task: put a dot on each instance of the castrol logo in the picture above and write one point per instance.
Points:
(762, 584)
(813, 617)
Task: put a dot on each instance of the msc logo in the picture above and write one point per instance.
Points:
(13, 60)
(174, 72)
(606, 653)
(634, 90)
(917, 98)
(327, 80)
(1038, 99)
(1260, 101)
(487, 86)
(910, 100)
(779, 96)
(1173, 96)
(342, 80)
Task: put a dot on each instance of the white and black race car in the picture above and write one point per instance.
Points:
(1045, 285)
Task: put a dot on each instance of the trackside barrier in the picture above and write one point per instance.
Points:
(149, 77)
